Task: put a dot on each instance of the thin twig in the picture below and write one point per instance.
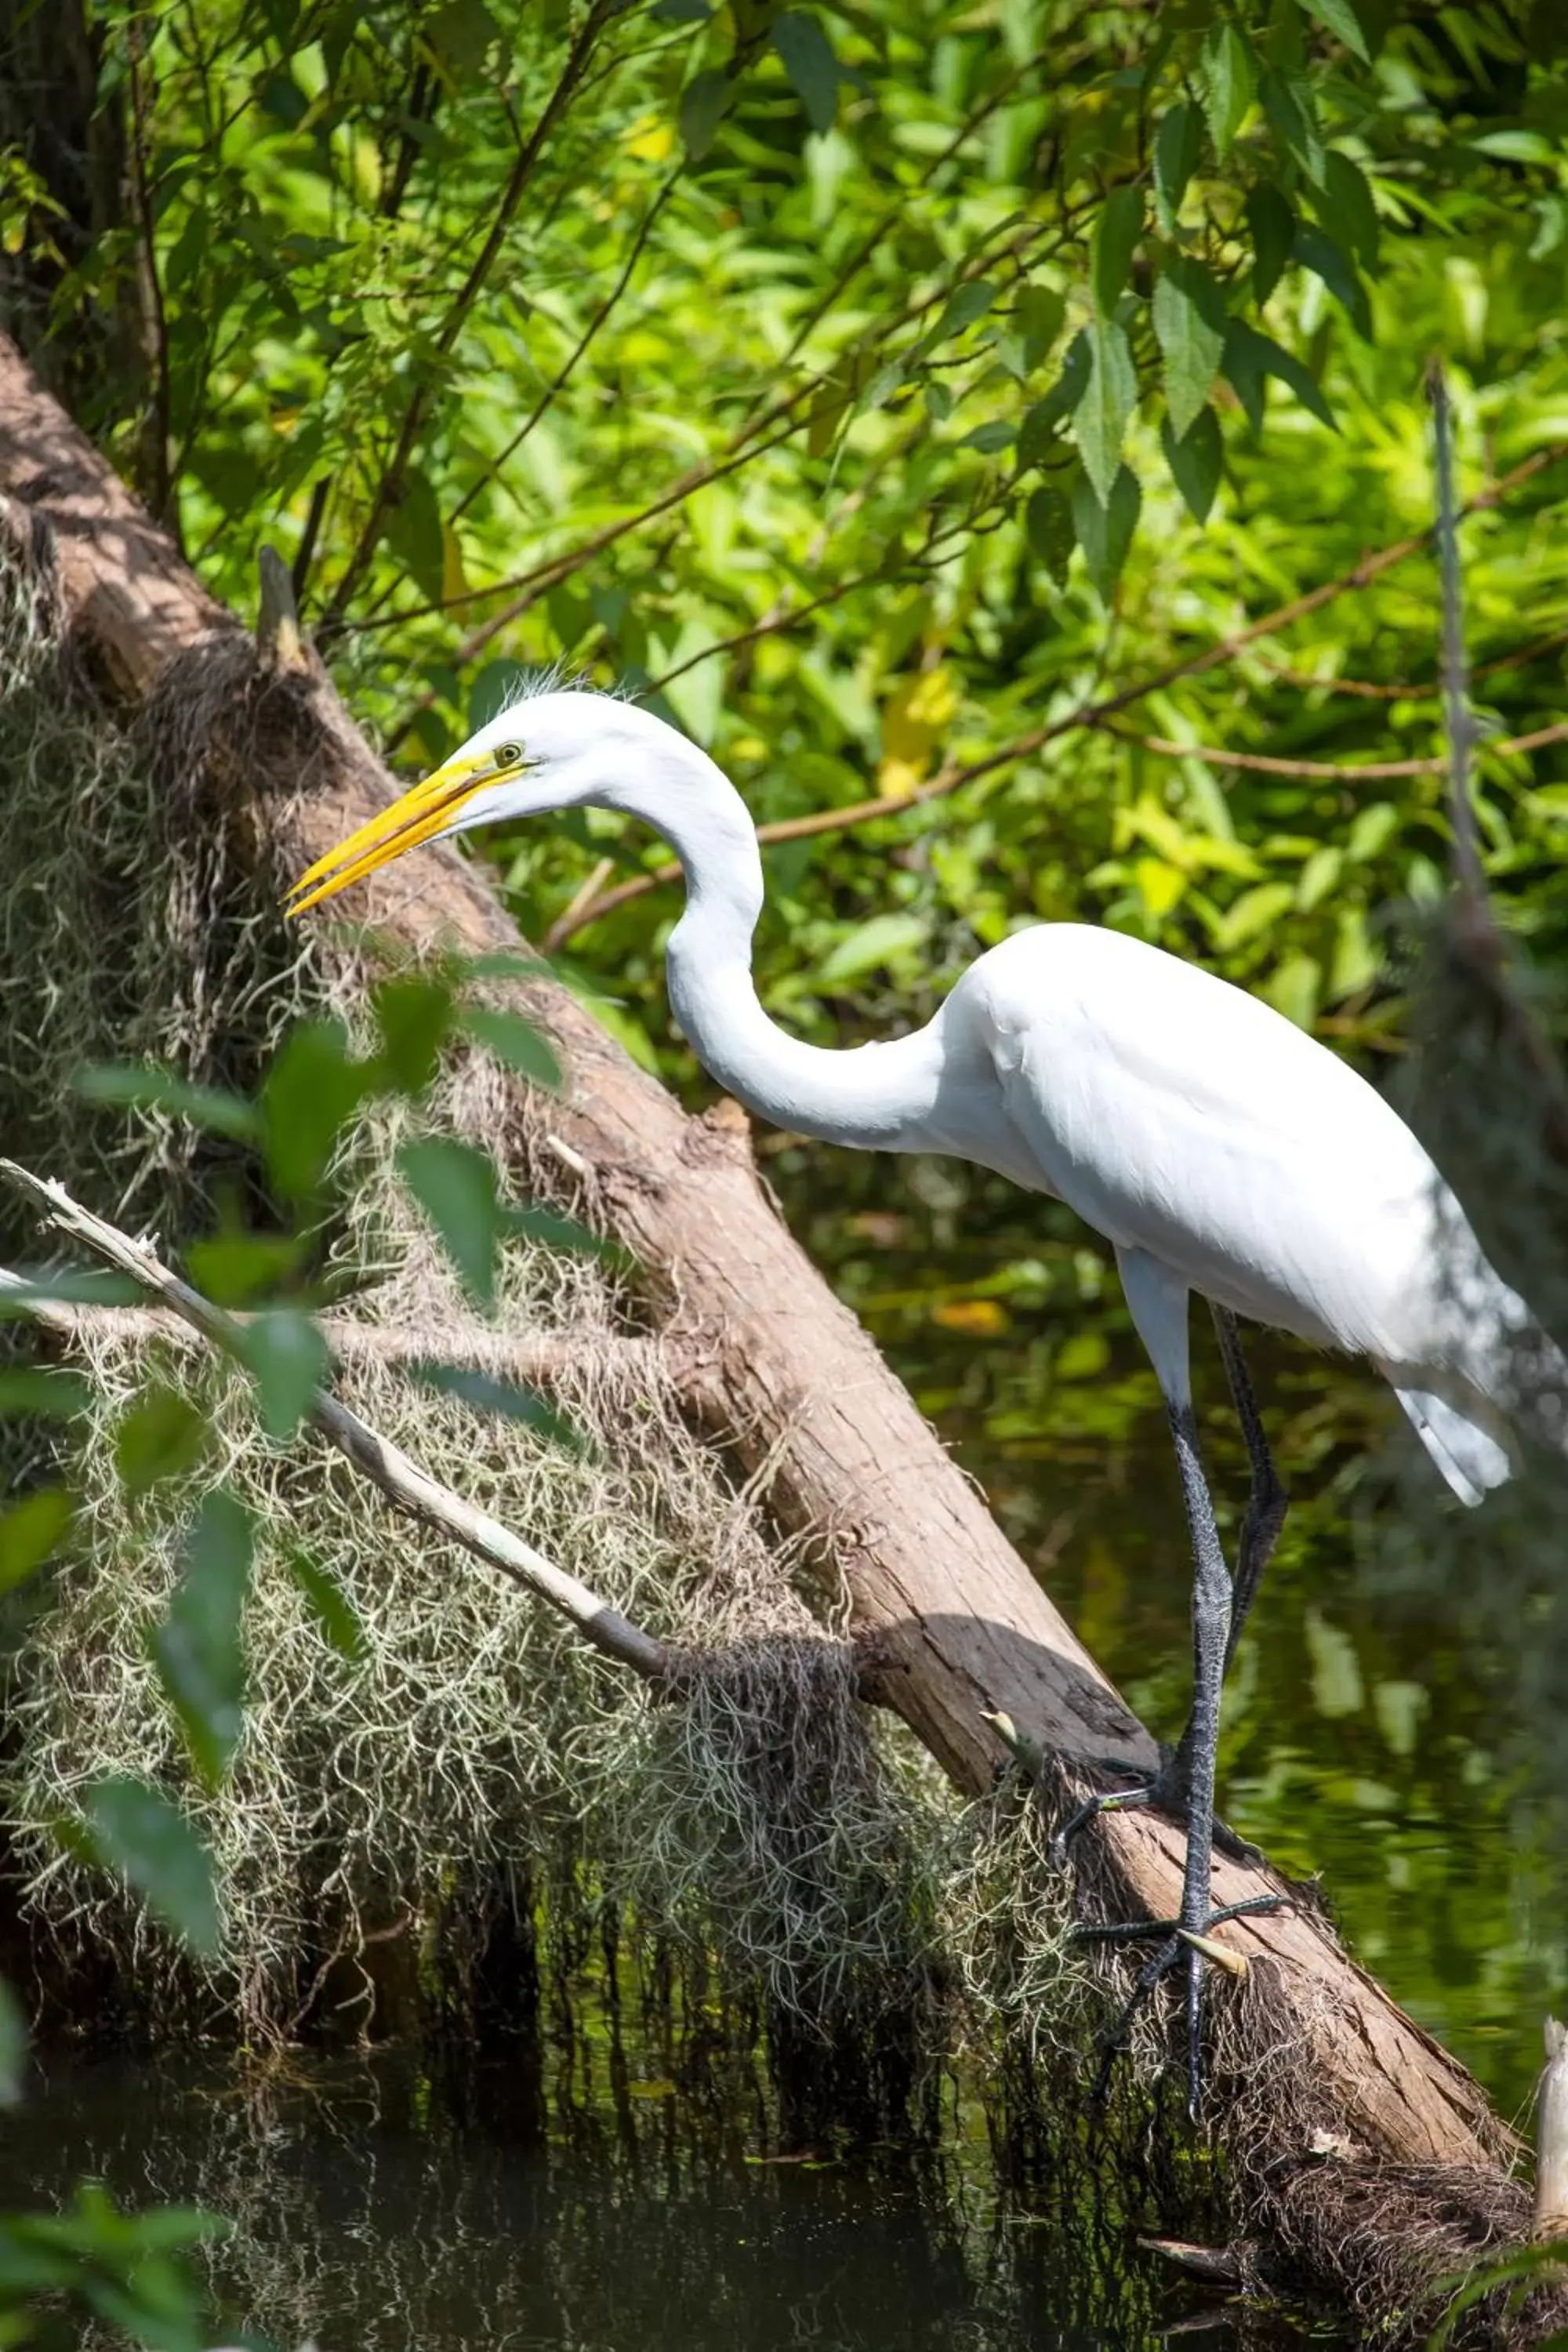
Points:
(1328, 771)
(408, 1487)
(160, 437)
(563, 376)
(543, 1360)
(390, 487)
(1468, 874)
(1405, 689)
(742, 449)
(951, 776)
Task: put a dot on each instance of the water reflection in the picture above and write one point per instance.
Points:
(1359, 1740)
(379, 2208)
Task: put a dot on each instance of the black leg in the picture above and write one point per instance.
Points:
(1268, 1502)
(1211, 1632)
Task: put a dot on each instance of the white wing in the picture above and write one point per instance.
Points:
(1182, 1116)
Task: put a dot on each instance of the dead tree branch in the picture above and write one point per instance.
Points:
(404, 1484)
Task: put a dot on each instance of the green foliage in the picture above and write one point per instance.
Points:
(122, 2269)
(198, 1646)
(136, 1831)
(836, 376)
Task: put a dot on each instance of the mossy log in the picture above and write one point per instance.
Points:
(1362, 2148)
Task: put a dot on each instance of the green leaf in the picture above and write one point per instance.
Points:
(68, 1285)
(212, 1107)
(312, 1089)
(704, 103)
(1041, 313)
(964, 306)
(1105, 531)
(1273, 226)
(495, 689)
(808, 59)
(1100, 421)
(198, 1649)
(414, 1014)
(990, 438)
(1339, 18)
(1037, 435)
(1292, 117)
(1189, 324)
(681, 12)
(550, 1228)
(505, 1398)
(40, 1390)
(1116, 233)
(132, 1829)
(30, 1530)
(161, 1436)
(287, 1357)
(873, 945)
(1347, 208)
(468, 41)
(330, 1607)
(514, 1041)
(1230, 84)
(413, 534)
(1516, 146)
(456, 1186)
(235, 1268)
(1320, 254)
(1196, 461)
(1250, 357)
(1048, 521)
(1177, 146)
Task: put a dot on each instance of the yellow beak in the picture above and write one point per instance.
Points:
(424, 810)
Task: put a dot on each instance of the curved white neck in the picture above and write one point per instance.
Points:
(869, 1095)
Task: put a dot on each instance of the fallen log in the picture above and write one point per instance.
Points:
(1362, 2148)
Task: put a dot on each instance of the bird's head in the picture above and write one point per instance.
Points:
(547, 752)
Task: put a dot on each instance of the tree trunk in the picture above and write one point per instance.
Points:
(1361, 2113)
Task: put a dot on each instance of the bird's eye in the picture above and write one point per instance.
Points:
(507, 755)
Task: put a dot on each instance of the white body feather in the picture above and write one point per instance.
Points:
(1218, 1147)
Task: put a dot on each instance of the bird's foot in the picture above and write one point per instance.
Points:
(1167, 1792)
(1176, 1942)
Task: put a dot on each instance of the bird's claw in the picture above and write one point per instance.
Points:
(1179, 1940)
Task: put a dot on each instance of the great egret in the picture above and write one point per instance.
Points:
(1213, 1144)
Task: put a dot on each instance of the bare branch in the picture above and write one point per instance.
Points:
(408, 1487)
(1461, 722)
(952, 775)
(390, 488)
(543, 1360)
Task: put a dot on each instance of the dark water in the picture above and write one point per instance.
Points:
(1361, 1741)
(378, 2208)
(375, 2211)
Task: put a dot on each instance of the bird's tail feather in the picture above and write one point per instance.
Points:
(1469, 1457)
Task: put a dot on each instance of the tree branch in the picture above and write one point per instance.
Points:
(951, 776)
(559, 382)
(405, 1484)
(390, 488)
(542, 1360)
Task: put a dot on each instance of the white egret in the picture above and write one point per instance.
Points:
(1213, 1144)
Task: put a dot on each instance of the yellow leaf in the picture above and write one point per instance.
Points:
(912, 718)
(895, 778)
(1159, 885)
(979, 1317)
(656, 2088)
(650, 139)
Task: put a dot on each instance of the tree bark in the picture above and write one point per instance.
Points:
(950, 1623)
